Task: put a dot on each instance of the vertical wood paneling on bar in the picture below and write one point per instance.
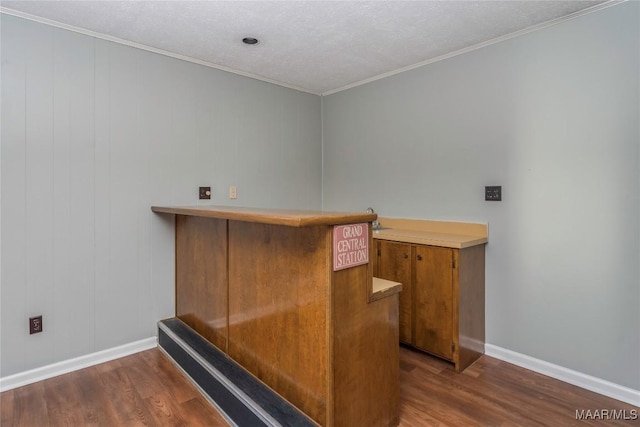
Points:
(277, 309)
(201, 277)
(74, 296)
(13, 159)
(102, 190)
(365, 338)
(39, 189)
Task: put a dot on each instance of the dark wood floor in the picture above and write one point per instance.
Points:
(493, 393)
(147, 389)
(137, 390)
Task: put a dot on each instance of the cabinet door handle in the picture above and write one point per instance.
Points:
(405, 256)
(419, 257)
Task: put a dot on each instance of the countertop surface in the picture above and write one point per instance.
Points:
(291, 218)
(457, 235)
(384, 287)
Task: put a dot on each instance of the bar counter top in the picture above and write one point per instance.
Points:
(447, 234)
(291, 218)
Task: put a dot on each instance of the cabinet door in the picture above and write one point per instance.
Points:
(433, 305)
(394, 264)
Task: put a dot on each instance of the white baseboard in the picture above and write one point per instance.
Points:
(59, 368)
(597, 385)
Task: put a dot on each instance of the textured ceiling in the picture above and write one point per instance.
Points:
(315, 46)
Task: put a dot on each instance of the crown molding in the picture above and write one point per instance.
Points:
(141, 46)
(479, 45)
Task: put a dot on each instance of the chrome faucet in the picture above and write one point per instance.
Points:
(375, 224)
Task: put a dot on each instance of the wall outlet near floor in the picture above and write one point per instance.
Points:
(233, 192)
(493, 193)
(35, 325)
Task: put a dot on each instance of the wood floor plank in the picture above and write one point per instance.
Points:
(29, 406)
(6, 407)
(170, 376)
(196, 410)
(496, 393)
(131, 408)
(507, 400)
(97, 409)
(110, 366)
(146, 385)
(148, 389)
(551, 397)
(164, 410)
(62, 398)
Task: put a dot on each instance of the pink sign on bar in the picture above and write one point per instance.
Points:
(350, 245)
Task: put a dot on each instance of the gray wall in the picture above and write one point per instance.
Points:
(552, 116)
(93, 134)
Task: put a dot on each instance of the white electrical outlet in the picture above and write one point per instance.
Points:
(233, 192)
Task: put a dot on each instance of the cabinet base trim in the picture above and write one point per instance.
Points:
(579, 379)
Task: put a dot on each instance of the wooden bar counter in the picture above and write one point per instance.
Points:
(262, 286)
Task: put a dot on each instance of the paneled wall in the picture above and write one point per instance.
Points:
(93, 134)
(552, 116)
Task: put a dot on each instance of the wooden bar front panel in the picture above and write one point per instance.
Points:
(279, 281)
(201, 276)
(366, 353)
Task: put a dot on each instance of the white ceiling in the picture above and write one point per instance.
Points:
(314, 46)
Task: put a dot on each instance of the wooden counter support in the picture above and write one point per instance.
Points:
(260, 286)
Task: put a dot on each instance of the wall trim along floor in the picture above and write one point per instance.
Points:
(70, 365)
(597, 385)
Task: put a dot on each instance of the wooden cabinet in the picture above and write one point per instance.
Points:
(394, 263)
(442, 302)
(433, 300)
